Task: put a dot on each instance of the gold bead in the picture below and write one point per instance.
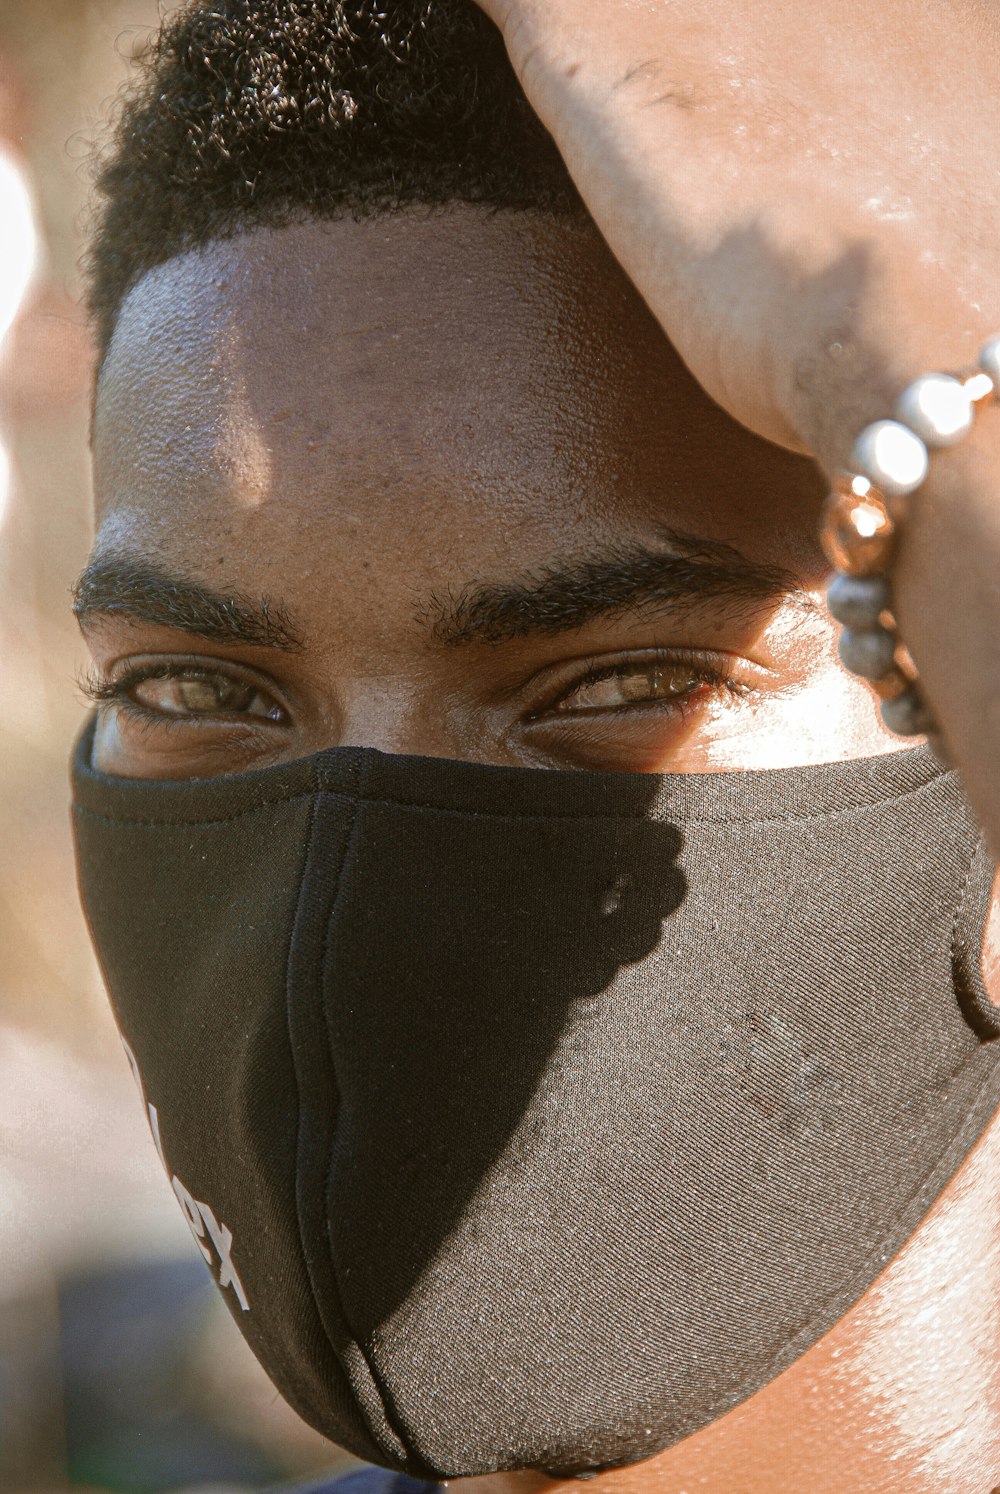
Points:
(858, 530)
(892, 684)
(905, 661)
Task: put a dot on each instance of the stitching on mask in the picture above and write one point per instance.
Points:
(375, 1379)
(304, 1254)
(352, 1337)
(288, 1030)
(479, 814)
(730, 819)
(221, 819)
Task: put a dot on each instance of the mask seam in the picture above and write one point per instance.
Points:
(680, 819)
(222, 819)
(300, 1096)
(354, 1337)
(317, 797)
(478, 814)
(303, 870)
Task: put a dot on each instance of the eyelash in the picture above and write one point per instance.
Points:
(702, 672)
(115, 691)
(110, 691)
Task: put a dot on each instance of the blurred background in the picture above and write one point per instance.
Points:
(119, 1371)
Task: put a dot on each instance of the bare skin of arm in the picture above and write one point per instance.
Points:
(808, 199)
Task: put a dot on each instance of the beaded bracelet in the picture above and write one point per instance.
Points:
(862, 516)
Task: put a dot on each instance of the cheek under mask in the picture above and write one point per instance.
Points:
(534, 1119)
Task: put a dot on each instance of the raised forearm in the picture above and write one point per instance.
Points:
(808, 199)
(947, 593)
(946, 569)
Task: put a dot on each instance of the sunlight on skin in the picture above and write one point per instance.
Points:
(241, 445)
(19, 252)
(928, 1315)
(406, 455)
(5, 480)
(18, 242)
(902, 1394)
(406, 423)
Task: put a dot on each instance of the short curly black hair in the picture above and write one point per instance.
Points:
(265, 112)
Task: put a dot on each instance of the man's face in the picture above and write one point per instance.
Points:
(471, 505)
(437, 484)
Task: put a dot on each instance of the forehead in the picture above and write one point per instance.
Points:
(494, 374)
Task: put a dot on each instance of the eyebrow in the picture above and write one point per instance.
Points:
(682, 571)
(119, 586)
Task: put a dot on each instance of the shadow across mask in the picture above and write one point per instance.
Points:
(541, 1117)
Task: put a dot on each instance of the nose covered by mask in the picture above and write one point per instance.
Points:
(534, 1119)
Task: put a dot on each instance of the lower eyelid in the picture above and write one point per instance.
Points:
(141, 720)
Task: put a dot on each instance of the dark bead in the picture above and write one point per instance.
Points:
(907, 715)
(870, 652)
(858, 601)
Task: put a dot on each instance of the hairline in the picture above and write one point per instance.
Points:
(251, 225)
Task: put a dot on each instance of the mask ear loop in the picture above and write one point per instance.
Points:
(967, 933)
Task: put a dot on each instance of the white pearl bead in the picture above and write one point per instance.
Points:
(937, 408)
(891, 456)
(989, 362)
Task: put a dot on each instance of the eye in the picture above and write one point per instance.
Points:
(173, 689)
(623, 685)
(197, 694)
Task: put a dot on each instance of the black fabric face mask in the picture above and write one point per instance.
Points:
(534, 1119)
